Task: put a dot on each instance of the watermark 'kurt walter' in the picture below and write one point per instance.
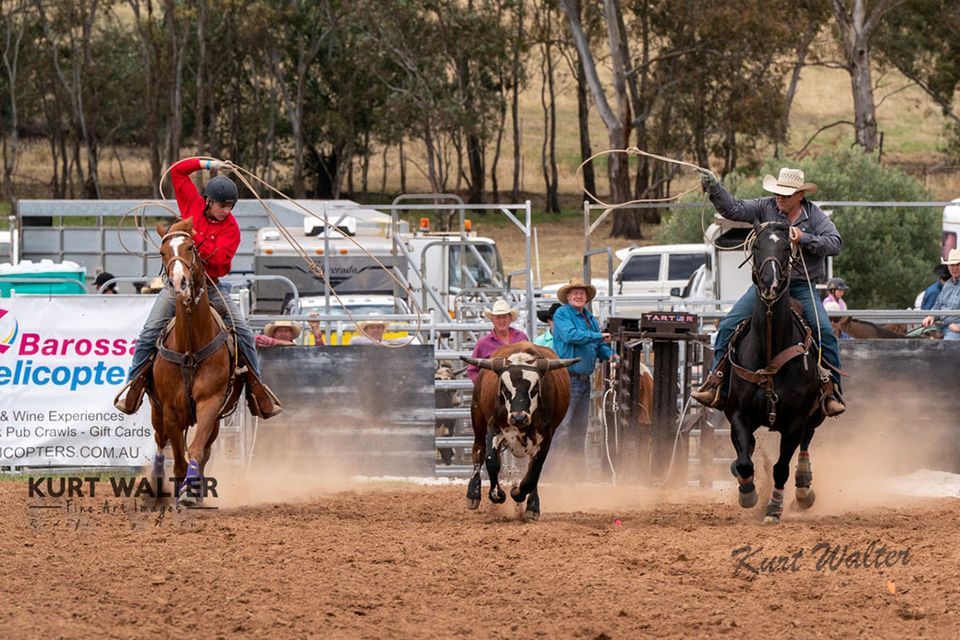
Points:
(825, 556)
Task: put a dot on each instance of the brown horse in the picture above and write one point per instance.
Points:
(863, 330)
(191, 378)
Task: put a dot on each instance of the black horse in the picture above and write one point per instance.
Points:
(775, 377)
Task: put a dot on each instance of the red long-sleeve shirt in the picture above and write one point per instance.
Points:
(216, 242)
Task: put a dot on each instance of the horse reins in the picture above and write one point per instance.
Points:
(189, 361)
(765, 376)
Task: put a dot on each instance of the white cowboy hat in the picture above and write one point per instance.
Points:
(271, 328)
(576, 283)
(364, 324)
(953, 257)
(154, 286)
(788, 183)
(501, 307)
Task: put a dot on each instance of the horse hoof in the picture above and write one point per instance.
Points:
(748, 500)
(186, 499)
(531, 516)
(498, 496)
(515, 494)
(805, 498)
(473, 503)
(771, 520)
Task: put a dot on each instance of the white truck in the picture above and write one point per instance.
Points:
(437, 267)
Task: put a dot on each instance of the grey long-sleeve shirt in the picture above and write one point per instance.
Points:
(949, 298)
(820, 235)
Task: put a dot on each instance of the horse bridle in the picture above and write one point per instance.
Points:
(189, 267)
(764, 376)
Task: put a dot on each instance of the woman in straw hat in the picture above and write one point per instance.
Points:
(576, 334)
(949, 298)
(501, 315)
(817, 238)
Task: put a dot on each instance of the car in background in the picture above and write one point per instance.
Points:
(349, 310)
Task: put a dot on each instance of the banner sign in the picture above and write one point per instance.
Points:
(62, 361)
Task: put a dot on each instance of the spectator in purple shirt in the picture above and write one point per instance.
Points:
(502, 314)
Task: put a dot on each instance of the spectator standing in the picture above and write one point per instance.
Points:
(502, 315)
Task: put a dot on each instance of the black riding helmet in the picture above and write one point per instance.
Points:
(221, 189)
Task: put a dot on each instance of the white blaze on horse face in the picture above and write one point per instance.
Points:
(179, 273)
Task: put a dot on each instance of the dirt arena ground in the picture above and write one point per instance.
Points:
(391, 560)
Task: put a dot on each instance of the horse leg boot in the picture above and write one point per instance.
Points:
(130, 403)
(709, 394)
(260, 399)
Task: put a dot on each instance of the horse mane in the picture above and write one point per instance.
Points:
(182, 225)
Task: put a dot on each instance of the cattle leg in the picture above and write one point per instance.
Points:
(742, 468)
(804, 478)
(527, 489)
(497, 496)
(479, 450)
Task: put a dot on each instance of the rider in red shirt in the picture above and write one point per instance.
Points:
(216, 236)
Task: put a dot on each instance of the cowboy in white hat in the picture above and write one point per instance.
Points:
(576, 334)
(817, 238)
(370, 331)
(949, 298)
(280, 333)
(501, 314)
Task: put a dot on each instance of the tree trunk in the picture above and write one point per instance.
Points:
(583, 122)
(515, 103)
(856, 28)
(198, 116)
(617, 124)
(548, 151)
(403, 168)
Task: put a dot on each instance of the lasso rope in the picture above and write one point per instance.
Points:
(245, 178)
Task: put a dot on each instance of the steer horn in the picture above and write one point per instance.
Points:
(544, 365)
(493, 364)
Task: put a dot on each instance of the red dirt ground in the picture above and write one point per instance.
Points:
(400, 561)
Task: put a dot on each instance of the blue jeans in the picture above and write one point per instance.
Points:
(570, 438)
(166, 307)
(950, 335)
(800, 291)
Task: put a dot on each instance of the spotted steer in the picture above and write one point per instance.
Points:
(519, 399)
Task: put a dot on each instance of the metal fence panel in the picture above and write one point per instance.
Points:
(363, 410)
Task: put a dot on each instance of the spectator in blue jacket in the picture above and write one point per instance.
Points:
(933, 291)
(576, 334)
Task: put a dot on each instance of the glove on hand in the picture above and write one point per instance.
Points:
(707, 179)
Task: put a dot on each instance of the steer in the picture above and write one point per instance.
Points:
(519, 399)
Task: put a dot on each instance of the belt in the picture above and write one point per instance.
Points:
(580, 376)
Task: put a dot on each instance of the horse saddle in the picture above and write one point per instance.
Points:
(235, 387)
